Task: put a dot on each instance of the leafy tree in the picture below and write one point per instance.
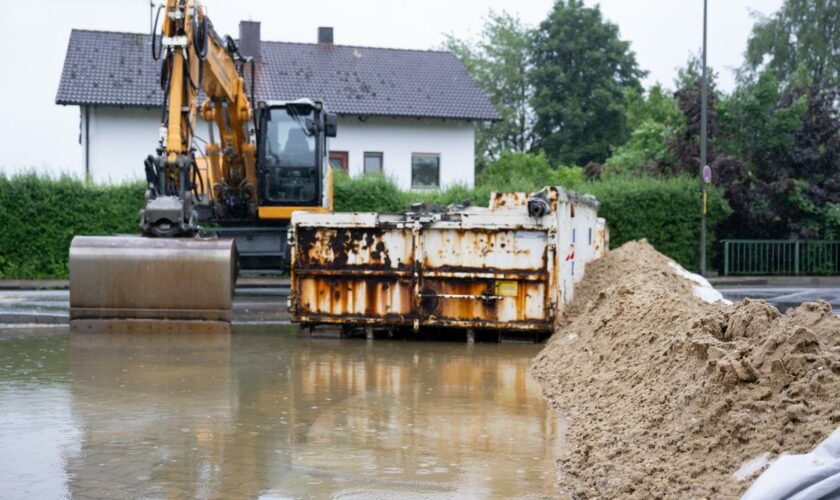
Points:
(581, 70)
(653, 119)
(499, 62)
(790, 141)
(646, 148)
(682, 155)
(656, 105)
(688, 75)
(800, 42)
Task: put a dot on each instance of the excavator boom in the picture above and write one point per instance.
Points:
(194, 57)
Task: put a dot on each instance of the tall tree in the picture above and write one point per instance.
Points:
(499, 62)
(790, 143)
(581, 70)
(683, 143)
(653, 118)
(800, 41)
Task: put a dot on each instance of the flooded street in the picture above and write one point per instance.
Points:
(266, 413)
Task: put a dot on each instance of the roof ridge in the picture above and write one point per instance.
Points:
(89, 30)
(284, 42)
(436, 51)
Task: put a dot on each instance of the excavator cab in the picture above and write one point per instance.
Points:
(292, 174)
(292, 154)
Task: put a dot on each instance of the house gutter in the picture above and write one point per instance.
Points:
(86, 112)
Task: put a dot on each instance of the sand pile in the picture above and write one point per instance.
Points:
(671, 396)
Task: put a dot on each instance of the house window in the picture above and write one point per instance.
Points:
(425, 171)
(339, 160)
(373, 163)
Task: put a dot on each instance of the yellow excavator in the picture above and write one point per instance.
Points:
(270, 160)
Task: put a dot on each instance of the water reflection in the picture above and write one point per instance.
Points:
(36, 431)
(273, 415)
(152, 408)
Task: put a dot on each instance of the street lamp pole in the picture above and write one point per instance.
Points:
(703, 125)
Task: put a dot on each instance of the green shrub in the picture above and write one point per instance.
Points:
(527, 172)
(665, 211)
(39, 216)
(456, 194)
(376, 193)
(366, 193)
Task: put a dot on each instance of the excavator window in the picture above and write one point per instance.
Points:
(290, 167)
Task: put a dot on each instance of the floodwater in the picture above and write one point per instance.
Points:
(265, 413)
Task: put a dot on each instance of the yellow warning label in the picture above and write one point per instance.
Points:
(507, 288)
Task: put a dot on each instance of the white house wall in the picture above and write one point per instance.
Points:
(398, 138)
(120, 139)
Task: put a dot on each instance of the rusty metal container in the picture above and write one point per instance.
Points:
(498, 268)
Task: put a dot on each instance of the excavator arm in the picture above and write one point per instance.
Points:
(124, 283)
(193, 58)
(160, 282)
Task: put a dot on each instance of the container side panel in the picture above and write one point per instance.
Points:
(472, 248)
(347, 247)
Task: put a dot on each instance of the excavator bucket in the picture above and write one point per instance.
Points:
(151, 284)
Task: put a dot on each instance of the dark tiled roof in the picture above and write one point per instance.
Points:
(116, 69)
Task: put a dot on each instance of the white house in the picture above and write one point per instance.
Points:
(408, 113)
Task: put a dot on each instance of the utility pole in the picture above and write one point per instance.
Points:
(703, 125)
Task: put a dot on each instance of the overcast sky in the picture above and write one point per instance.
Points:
(36, 132)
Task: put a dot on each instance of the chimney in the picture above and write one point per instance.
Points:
(249, 39)
(325, 35)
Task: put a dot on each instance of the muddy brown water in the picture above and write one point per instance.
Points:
(266, 413)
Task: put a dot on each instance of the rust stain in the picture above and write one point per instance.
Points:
(508, 200)
(319, 248)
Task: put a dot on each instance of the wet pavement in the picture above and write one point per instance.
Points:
(784, 297)
(265, 305)
(263, 412)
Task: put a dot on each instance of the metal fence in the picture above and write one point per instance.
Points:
(792, 257)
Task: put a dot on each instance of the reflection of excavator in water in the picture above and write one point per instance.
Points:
(241, 188)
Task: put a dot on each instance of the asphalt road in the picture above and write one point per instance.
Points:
(265, 305)
(784, 297)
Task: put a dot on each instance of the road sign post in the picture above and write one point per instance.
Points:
(703, 165)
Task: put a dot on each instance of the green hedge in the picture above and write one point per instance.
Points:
(376, 193)
(665, 211)
(39, 216)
